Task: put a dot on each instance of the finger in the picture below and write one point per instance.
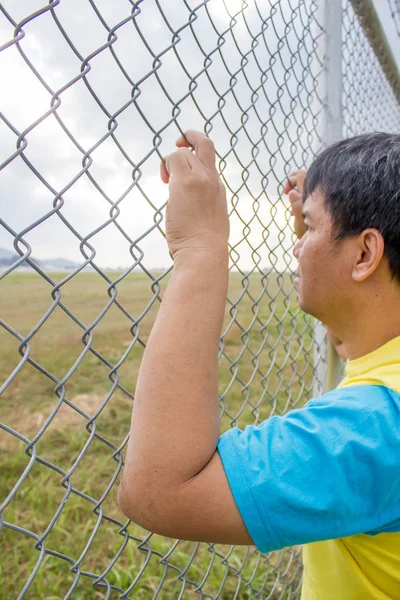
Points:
(295, 180)
(294, 197)
(164, 173)
(291, 182)
(298, 172)
(299, 178)
(203, 146)
(296, 203)
(179, 163)
(288, 186)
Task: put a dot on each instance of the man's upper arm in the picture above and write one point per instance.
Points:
(202, 509)
(317, 473)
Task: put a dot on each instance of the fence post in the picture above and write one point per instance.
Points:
(374, 32)
(327, 364)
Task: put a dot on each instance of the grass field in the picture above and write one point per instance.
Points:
(266, 369)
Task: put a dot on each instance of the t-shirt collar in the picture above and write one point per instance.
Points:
(386, 354)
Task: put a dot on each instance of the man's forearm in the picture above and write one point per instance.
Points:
(175, 424)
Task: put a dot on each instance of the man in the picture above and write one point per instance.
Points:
(326, 475)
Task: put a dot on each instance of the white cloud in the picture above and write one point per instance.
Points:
(263, 124)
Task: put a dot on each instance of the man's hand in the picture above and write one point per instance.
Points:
(294, 189)
(197, 215)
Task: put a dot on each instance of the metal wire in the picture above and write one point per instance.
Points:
(371, 102)
(95, 97)
(394, 6)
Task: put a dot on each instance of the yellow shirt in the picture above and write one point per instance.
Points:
(359, 567)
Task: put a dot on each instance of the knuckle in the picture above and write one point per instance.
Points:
(170, 158)
(200, 178)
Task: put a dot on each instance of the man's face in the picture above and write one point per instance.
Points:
(325, 265)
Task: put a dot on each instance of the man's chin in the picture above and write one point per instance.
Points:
(304, 306)
(301, 304)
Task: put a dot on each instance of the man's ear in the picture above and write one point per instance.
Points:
(370, 250)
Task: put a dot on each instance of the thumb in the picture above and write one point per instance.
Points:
(295, 200)
(164, 173)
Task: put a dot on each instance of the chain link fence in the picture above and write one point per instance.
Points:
(94, 94)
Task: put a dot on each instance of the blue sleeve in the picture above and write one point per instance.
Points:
(328, 470)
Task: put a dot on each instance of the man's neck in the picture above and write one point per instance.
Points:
(360, 346)
(372, 324)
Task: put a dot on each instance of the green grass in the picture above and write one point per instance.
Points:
(267, 370)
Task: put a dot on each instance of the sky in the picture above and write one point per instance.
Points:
(265, 120)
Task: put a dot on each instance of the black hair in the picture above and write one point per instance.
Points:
(359, 179)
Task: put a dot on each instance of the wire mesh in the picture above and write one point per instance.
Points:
(369, 100)
(96, 95)
(394, 7)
